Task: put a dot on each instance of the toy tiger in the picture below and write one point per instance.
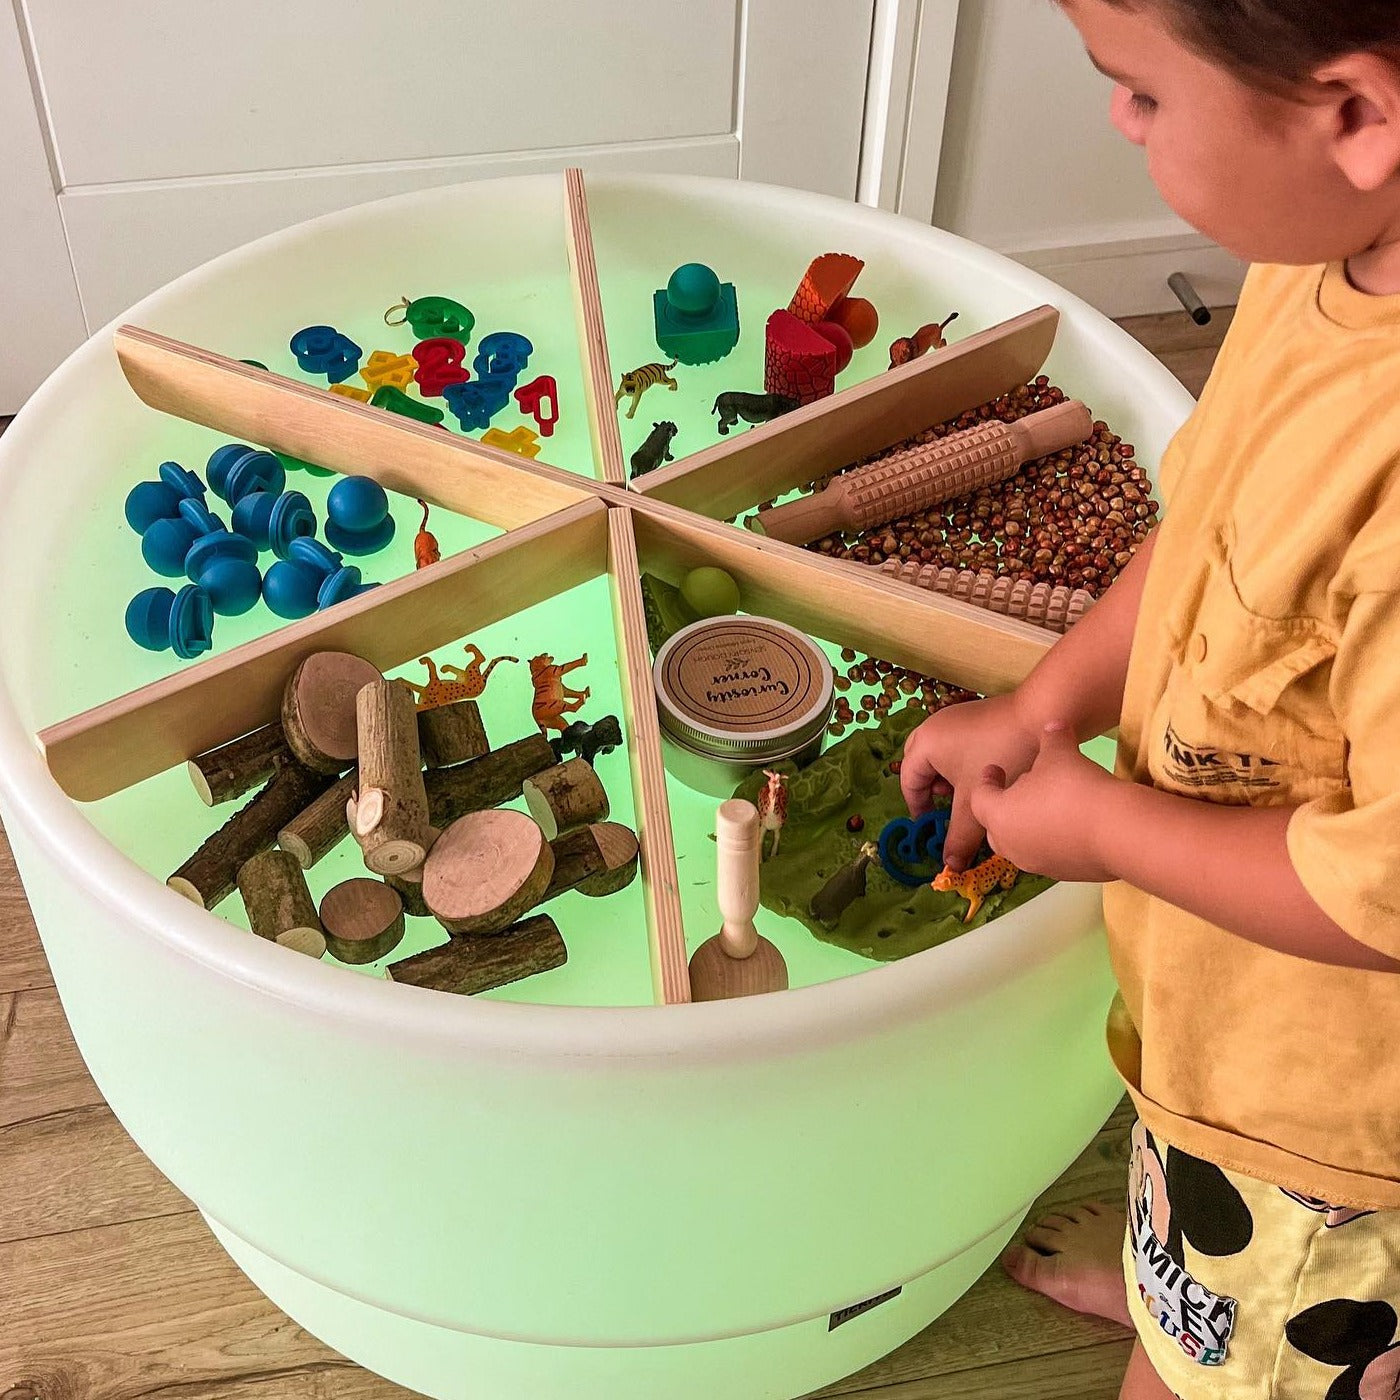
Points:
(637, 381)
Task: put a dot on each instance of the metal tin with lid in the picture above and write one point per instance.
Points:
(743, 691)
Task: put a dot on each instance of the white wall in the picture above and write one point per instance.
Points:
(1031, 166)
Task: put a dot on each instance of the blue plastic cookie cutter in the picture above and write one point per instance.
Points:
(324, 350)
(907, 844)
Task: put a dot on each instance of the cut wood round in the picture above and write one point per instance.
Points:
(389, 812)
(409, 888)
(279, 905)
(211, 873)
(487, 781)
(715, 976)
(318, 709)
(363, 920)
(617, 845)
(565, 796)
(235, 768)
(452, 734)
(466, 966)
(486, 870)
(320, 827)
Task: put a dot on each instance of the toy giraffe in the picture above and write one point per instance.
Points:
(553, 698)
(773, 806)
(467, 683)
(976, 884)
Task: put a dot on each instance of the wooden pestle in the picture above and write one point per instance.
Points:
(919, 477)
(738, 961)
(1053, 606)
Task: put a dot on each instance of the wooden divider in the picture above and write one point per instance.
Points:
(149, 730)
(670, 967)
(849, 604)
(593, 340)
(304, 421)
(764, 462)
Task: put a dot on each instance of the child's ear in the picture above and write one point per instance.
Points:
(1362, 104)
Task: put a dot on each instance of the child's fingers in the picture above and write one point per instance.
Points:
(920, 782)
(965, 832)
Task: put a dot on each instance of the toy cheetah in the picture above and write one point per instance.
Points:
(976, 884)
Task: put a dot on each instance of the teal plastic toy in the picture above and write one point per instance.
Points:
(236, 470)
(358, 519)
(273, 522)
(160, 620)
(697, 315)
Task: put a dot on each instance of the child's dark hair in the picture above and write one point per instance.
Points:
(1280, 40)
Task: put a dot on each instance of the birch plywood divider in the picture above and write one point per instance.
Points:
(588, 303)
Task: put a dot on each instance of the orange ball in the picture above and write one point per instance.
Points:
(840, 338)
(861, 320)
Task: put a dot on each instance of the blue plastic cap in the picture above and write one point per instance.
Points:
(314, 555)
(165, 543)
(255, 471)
(191, 623)
(149, 501)
(358, 542)
(199, 517)
(289, 590)
(341, 586)
(291, 518)
(219, 544)
(220, 460)
(148, 618)
(181, 480)
(357, 503)
(251, 517)
(233, 585)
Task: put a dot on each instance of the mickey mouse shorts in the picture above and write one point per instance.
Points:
(1243, 1291)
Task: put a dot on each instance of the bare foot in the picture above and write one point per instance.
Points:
(1077, 1259)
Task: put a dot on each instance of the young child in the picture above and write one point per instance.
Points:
(1250, 656)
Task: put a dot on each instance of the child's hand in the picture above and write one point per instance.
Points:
(1043, 819)
(949, 751)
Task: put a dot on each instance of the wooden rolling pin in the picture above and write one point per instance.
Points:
(1046, 605)
(907, 482)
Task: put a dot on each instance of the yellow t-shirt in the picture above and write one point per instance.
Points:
(1265, 671)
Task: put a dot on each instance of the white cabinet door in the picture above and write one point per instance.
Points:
(182, 128)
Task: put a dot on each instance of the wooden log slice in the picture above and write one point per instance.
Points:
(487, 781)
(389, 812)
(238, 767)
(408, 885)
(566, 796)
(466, 966)
(363, 920)
(452, 734)
(320, 827)
(486, 870)
(211, 874)
(318, 709)
(617, 845)
(279, 905)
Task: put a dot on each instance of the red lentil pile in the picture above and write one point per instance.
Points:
(1073, 518)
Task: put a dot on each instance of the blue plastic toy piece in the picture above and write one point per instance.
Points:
(165, 543)
(358, 516)
(273, 522)
(312, 554)
(502, 353)
(200, 518)
(233, 585)
(236, 470)
(289, 589)
(160, 620)
(217, 544)
(340, 586)
(907, 845)
(324, 350)
(149, 501)
(477, 401)
(181, 480)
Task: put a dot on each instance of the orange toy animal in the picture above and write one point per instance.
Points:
(926, 338)
(468, 682)
(976, 884)
(553, 698)
(425, 545)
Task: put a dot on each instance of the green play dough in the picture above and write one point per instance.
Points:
(710, 592)
(850, 778)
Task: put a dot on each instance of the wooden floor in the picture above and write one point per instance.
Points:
(112, 1289)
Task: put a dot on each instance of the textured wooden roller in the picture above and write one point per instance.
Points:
(916, 478)
(1052, 606)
